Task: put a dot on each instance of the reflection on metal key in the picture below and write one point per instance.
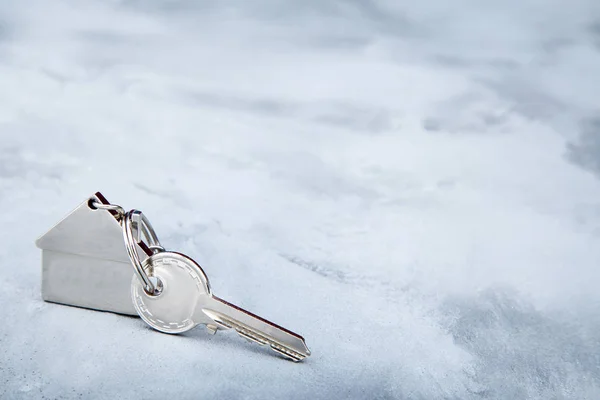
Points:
(183, 299)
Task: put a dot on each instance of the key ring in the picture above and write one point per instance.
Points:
(130, 221)
(135, 220)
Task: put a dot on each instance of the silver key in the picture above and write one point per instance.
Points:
(185, 300)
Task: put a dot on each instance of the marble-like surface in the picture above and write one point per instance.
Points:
(413, 186)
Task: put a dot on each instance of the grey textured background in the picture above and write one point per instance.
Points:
(413, 186)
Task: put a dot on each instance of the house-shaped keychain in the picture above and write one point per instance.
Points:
(89, 260)
(85, 263)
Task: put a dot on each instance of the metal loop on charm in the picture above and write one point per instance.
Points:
(109, 207)
(135, 224)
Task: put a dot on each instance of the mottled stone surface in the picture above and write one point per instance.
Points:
(413, 186)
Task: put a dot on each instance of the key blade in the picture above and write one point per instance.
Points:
(257, 329)
(254, 335)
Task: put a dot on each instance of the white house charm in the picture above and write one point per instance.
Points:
(84, 262)
(103, 258)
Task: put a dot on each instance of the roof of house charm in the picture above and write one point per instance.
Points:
(85, 263)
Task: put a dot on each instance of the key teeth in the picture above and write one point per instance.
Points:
(295, 357)
(250, 336)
